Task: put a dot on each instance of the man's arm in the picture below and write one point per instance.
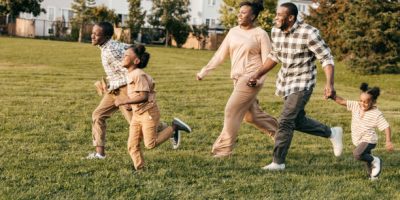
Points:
(329, 86)
(267, 66)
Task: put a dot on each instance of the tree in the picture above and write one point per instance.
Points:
(103, 14)
(201, 34)
(172, 15)
(371, 34)
(83, 13)
(230, 9)
(328, 18)
(15, 7)
(136, 17)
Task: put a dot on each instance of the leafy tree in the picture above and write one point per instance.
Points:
(371, 35)
(172, 15)
(103, 14)
(230, 9)
(201, 34)
(83, 14)
(15, 7)
(136, 17)
(329, 18)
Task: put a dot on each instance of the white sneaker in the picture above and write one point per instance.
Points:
(376, 167)
(95, 156)
(274, 167)
(336, 139)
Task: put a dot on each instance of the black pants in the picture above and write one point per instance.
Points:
(363, 153)
(293, 117)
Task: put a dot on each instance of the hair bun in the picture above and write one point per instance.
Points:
(259, 4)
(140, 49)
(364, 87)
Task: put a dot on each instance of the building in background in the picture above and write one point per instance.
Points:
(302, 5)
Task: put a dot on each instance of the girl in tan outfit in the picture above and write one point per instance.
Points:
(248, 47)
(146, 115)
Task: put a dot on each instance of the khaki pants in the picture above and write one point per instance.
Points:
(242, 105)
(104, 111)
(144, 127)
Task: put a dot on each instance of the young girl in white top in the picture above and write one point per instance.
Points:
(365, 118)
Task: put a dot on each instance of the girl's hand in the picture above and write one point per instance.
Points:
(389, 146)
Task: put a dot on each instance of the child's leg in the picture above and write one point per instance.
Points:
(151, 137)
(135, 136)
(363, 153)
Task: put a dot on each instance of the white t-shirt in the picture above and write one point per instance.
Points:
(363, 128)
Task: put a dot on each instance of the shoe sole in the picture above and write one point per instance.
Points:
(183, 124)
(380, 169)
(176, 146)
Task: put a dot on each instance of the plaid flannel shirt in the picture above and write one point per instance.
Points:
(298, 49)
(112, 54)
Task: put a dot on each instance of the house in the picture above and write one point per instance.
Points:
(303, 6)
(202, 12)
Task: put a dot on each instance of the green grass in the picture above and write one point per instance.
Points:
(47, 97)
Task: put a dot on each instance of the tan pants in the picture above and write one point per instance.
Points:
(144, 127)
(242, 105)
(104, 111)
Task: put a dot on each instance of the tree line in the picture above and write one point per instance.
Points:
(363, 33)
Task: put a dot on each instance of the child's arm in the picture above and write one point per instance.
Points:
(140, 98)
(339, 100)
(389, 145)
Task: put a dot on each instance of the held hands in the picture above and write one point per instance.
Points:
(329, 92)
(252, 82)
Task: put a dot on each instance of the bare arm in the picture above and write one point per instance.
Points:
(267, 66)
(142, 97)
(389, 145)
(339, 100)
(329, 86)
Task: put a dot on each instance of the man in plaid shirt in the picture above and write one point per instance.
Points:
(297, 45)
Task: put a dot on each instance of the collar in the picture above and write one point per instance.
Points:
(294, 27)
(106, 44)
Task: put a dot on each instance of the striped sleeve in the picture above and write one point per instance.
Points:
(382, 123)
(351, 105)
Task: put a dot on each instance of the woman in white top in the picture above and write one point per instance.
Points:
(248, 47)
(365, 118)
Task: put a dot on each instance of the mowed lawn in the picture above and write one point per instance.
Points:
(47, 98)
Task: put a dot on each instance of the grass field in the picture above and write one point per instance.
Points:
(47, 97)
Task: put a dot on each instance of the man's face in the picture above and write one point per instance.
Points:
(98, 37)
(282, 18)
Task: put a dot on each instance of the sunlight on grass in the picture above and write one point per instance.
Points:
(47, 97)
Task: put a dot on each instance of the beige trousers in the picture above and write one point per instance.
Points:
(104, 111)
(144, 127)
(242, 105)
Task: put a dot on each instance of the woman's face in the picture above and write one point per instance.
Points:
(366, 101)
(245, 16)
(129, 58)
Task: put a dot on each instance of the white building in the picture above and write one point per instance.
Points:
(201, 11)
(302, 5)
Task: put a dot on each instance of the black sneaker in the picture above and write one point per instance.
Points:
(181, 125)
(176, 139)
